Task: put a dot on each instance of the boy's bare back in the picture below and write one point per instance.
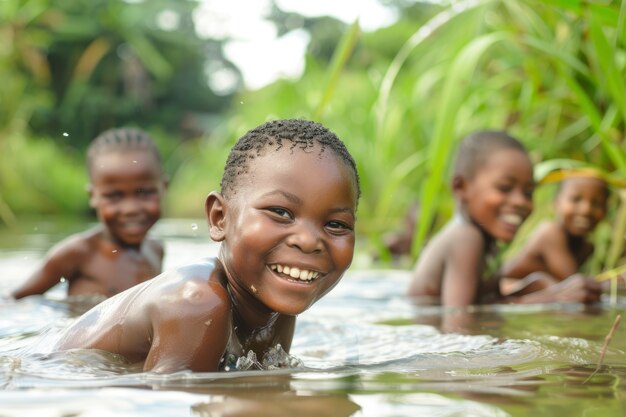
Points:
(182, 319)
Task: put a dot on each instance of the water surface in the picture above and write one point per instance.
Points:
(365, 350)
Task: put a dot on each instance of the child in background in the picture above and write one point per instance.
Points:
(285, 218)
(557, 249)
(126, 186)
(493, 186)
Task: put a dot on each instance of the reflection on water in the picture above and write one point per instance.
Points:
(365, 351)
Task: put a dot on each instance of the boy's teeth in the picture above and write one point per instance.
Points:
(293, 272)
(512, 218)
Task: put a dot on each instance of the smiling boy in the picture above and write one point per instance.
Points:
(285, 218)
(126, 187)
(558, 248)
(493, 185)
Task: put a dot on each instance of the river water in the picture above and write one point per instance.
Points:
(365, 350)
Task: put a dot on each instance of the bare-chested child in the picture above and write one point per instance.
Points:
(285, 218)
(493, 185)
(126, 185)
(557, 249)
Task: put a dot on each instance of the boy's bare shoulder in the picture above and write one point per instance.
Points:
(453, 237)
(548, 233)
(193, 289)
(460, 233)
(77, 246)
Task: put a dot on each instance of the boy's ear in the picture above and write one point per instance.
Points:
(215, 207)
(458, 185)
(89, 189)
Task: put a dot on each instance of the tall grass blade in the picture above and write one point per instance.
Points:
(423, 33)
(606, 59)
(338, 62)
(442, 143)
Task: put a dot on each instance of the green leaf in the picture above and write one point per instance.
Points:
(340, 58)
(149, 55)
(442, 144)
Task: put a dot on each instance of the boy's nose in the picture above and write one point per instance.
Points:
(129, 205)
(306, 237)
(584, 207)
(521, 199)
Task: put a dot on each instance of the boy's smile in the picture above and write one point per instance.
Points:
(581, 204)
(288, 228)
(499, 196)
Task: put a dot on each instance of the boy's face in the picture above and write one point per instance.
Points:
(581, 204)
(499, 196)
(126, 190)
(288, 228)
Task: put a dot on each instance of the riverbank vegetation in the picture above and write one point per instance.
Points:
(551, 72)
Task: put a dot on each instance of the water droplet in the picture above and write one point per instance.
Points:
(194, 226)
(66, 134)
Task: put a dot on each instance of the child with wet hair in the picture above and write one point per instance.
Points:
(492, 185)
(285, 220)
(126, 186)
(557, 249)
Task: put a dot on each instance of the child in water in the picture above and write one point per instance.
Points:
(285, 218)
(493, 186)
(126, 185)
(558, 248)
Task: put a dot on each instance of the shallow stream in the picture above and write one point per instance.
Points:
(365, 350)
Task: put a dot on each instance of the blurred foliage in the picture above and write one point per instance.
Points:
(83, 66)
(550, 72)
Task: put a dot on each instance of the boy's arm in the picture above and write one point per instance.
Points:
(62, 261)
(192, 332)
(575, 289)
(462, 268)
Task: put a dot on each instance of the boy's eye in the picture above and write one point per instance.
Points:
(528, 193)
(113, 196)
(146, 192)
(281, 212)
(505, 188)
(338, 226)
(597, 204)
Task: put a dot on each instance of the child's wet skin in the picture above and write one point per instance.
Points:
(285, 220)
(126, 185)
(296, 230)
(557, 249)
(499, 197)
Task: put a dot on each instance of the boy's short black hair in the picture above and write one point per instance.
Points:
(291, 133)
(478, 146)
(121, 139)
